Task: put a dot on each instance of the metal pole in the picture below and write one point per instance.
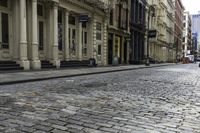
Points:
(177, 49)
(147, 61)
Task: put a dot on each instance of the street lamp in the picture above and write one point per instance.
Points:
(151, 11)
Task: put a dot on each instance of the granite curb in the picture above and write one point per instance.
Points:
(79, 74)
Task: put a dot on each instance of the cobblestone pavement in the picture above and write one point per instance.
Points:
(165, 100)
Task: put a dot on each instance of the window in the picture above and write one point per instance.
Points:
(183, 39)
(124, 17)
(4, 3)
(72, 20)
(41, 37)
(99, 49)
(111, 17)
(117, 14)
(40, 10)
(5, 31)
(98, 34)
(183, 24)
(73, 45)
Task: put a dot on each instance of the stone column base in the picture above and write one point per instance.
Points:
(24, 64)
(36, 64)
(56, 63)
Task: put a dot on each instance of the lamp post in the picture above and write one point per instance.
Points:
(150, 10)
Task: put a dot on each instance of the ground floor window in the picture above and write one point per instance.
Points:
(72, 41)
(60, 30)
(41, 35)
(84, 42)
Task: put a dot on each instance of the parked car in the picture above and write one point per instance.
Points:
(191, 58)
(198, 59)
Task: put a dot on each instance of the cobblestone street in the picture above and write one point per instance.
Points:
(154, 100)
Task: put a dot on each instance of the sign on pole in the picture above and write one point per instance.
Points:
(83, 18)
(152, 33)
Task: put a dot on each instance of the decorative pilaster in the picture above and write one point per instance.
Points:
(23, 37)
(80, 45)
(94, 47)
(55, 59)
(35, 62)
(105, 42)
(66, 35)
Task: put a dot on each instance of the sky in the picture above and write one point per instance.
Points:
(193, 6)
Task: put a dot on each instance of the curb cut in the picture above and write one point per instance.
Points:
(76, 75)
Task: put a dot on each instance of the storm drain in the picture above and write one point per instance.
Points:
(94, 85)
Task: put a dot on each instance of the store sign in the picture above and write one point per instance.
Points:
(83, 18)
(152, 33)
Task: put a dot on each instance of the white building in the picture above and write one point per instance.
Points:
(187, 34)
(33, 31)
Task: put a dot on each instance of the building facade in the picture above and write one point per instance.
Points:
(178, 32)
(33, 31)
(196, 30)
(119, 32)
(137, 28)
(187, 35)
(161, 47)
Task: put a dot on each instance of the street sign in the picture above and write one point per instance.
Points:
(83, 18)
(152, 33)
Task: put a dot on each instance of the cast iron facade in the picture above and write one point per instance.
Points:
(137, 45)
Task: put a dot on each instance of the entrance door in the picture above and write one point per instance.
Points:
(61, 34)
(73, 43)
(110, 49)
(4, 36)
(4, 31)
(41, 31)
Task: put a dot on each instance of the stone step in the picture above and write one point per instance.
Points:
(10, 68)
(46, 64)
(9, 65)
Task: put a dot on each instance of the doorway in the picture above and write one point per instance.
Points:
(110, 49)
(125, 53)
(5, 47)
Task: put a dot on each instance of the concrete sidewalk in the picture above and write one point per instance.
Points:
(30, 76)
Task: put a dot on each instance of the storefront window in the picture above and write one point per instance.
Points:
(73, 41)
(5, 29)
(41, 37)
(60, 30)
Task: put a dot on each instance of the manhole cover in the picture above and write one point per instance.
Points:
(94, 84)
(5, 100)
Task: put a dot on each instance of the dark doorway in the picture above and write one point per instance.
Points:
(125, 53)
(110, 48)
